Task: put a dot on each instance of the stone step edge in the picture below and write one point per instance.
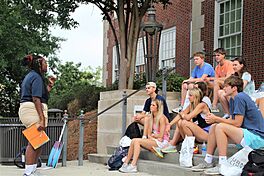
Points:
(152, 167)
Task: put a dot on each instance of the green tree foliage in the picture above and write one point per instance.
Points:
(75, 89)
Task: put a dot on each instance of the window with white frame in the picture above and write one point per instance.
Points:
(140, 63)
(167, 48)
(230, 25)
(115, 66)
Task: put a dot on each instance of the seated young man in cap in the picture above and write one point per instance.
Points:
(151, 90)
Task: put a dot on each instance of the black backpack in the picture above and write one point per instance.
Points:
(255, 164)
(133, 131)
(19, 160)
(115, 161)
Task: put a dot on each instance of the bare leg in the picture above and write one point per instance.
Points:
(217, 85)
(134, 149)
(147, 127)
(31, 155)
(183, 92)
(211, 142)
(192, 129)
(176, 137)
(224, 101)
(223, 132)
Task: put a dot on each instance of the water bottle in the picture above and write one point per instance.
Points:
(204, 149)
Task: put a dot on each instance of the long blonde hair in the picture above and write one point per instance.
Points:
(198, 96)
(159, 112)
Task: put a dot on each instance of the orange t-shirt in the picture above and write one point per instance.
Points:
(224, 70)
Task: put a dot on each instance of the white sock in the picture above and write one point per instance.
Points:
(29, 169)
(222, 159)
(243, 142)
(208, 158)
(35, 167)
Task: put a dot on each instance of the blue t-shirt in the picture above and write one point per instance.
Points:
(165, 107)
(206, 69)
(33, 86)
(243, 105)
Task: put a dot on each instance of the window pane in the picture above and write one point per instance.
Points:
(238, 40)
(222, 43)
(238, 52)
(221, 19)
(233, 15)
(233, 41)
(233, 51)
(221, 32)
(227, 6)
(226, 29)
(238, 3)
(227, 45)
(233, 4)
(228, 51)
(238, 14)
(238, 26)
(222, 8)
(227, 18)
(232, 28)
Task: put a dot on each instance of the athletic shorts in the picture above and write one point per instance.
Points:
(252, 140)
(28, 114)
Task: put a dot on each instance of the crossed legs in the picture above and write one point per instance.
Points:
(134, 149)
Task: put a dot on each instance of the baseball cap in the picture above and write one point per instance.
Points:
(152, 84)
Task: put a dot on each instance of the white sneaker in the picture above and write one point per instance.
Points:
(177, 110)
(213, 171)
(226, 116)
(123, 167)
(202, 166)
(128, 169)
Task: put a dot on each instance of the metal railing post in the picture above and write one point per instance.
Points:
(80, 157)
(164, 82)
(124, 113)
(65, 139)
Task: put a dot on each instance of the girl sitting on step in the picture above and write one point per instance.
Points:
(191, 121)
(157, 137)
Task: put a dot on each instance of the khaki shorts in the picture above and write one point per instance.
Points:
(28, 114)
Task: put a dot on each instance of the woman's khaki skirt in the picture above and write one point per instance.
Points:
(28, 114)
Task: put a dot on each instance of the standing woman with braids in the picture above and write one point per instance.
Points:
(33, 104)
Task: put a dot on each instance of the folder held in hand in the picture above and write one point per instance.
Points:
(35, 138)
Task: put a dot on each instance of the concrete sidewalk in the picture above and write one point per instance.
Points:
(72, 169)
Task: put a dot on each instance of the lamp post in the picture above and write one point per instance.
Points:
(152, 32)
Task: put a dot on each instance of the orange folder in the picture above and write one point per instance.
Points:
(36, 138)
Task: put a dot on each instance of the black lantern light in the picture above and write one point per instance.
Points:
(152, 32)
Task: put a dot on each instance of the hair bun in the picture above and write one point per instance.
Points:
(27, 60)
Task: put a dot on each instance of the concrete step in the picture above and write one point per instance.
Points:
(161, 168)
(174, 157)
(99, 158)
(149, 166)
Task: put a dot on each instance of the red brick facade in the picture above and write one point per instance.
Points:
(252, 35)
(179, 14)
(253, 38)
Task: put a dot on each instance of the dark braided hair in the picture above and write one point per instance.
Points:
(33, 62)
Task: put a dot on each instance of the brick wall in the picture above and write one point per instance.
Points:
(252, 35)
(253, 38)
(207, 33)
(90, 137)
(178, 14)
